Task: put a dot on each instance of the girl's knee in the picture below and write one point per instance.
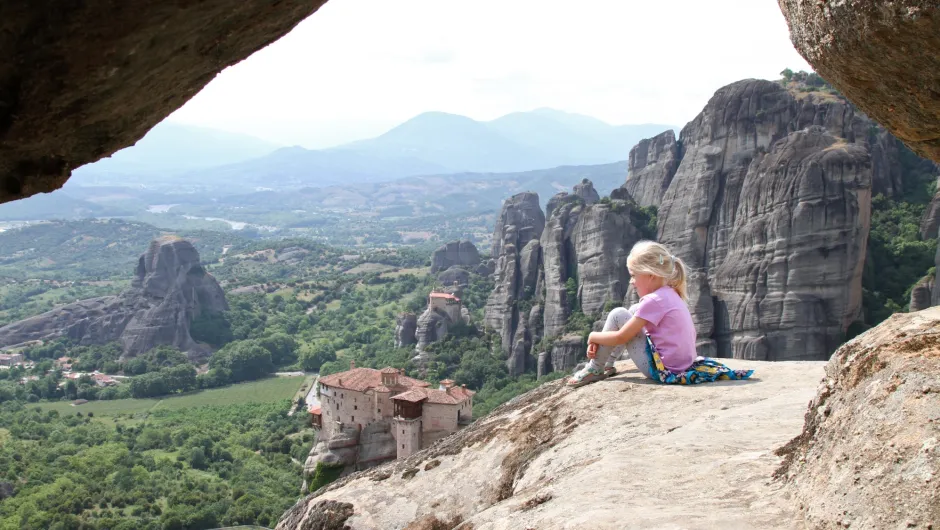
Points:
(620, 313)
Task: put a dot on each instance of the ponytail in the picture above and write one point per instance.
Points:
(679, 278)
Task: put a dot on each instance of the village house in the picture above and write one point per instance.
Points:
(11, 359)
(98, 378)
(419, 415)
(63, 363)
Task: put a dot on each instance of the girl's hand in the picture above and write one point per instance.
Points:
(591, 350)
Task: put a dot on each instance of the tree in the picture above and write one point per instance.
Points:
(787, 74)
(197, 458)
(282, 347)
(245, 359)
(314, 355)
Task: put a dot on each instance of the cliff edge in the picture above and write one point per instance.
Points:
(602, 456)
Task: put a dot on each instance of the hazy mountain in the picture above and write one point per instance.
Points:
(454, 142)
(179, 158)
(173, 147)
(543, 138)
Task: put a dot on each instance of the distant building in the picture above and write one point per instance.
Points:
(63, 363)
(447, 303)
(418, 414)
(11, 359)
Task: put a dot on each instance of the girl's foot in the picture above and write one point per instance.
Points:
(610, 371)
(587, 375)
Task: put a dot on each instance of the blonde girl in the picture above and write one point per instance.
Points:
(662, 313)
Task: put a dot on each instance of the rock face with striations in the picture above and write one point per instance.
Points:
(884, 56)
(585, 190)
(922, 294)
(583, 243)
(462, 254)
(770, 208)
(521, 221)
(170, 288)
(653, 163)
(405, 326)
(869, 452)
(80, 80)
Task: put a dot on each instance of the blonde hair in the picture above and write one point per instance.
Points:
(649, 257)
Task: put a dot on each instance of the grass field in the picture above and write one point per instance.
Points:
(420, 271)
(263, 391)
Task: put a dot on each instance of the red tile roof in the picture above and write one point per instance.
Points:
(382, 389)
(362, 379)
(315, 410)
(454, 396)
(412, 396)
(389, 370)
(445, 295)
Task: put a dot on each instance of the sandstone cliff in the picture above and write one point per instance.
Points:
(583, 241)
(521, 221)
(770, 208)
(169, 289)
(533, 462)
(79, 81)
(406, 324)
(653, 163)
(884, 56)
(462, 254)
(869, 453)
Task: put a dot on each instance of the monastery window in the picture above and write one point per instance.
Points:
(337, 406)
(352, 419)
(355, 407)
(402, 446)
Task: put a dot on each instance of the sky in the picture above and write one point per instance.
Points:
(357, 68)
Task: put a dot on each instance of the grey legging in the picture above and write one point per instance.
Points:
(636, 348)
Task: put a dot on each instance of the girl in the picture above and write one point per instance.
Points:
(660, 280)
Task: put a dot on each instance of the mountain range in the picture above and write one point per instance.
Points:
(432, 143)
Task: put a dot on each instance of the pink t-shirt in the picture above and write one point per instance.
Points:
(669, 324)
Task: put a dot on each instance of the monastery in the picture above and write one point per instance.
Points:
(418, 415)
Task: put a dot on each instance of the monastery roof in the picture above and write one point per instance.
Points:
(453, 396)
(362, 379)
(412, 396)
(444, 295)
(315, 410)
(389, 370)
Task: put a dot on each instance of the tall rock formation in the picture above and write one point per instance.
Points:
(520, 222)
(770, 208)
(170, 288)
(653, 163)
(579, 263)
(585, 190)
(602, 240)
(405, 327)
(560, 260)
(463, 254)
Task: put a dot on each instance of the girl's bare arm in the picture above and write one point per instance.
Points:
(621, 336)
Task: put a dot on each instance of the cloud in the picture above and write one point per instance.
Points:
(358, 67)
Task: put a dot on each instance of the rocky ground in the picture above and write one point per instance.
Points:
(617, 454)
(869, 454)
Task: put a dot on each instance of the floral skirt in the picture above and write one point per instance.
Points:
(703, 370)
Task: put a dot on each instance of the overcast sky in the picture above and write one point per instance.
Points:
(358, 67)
